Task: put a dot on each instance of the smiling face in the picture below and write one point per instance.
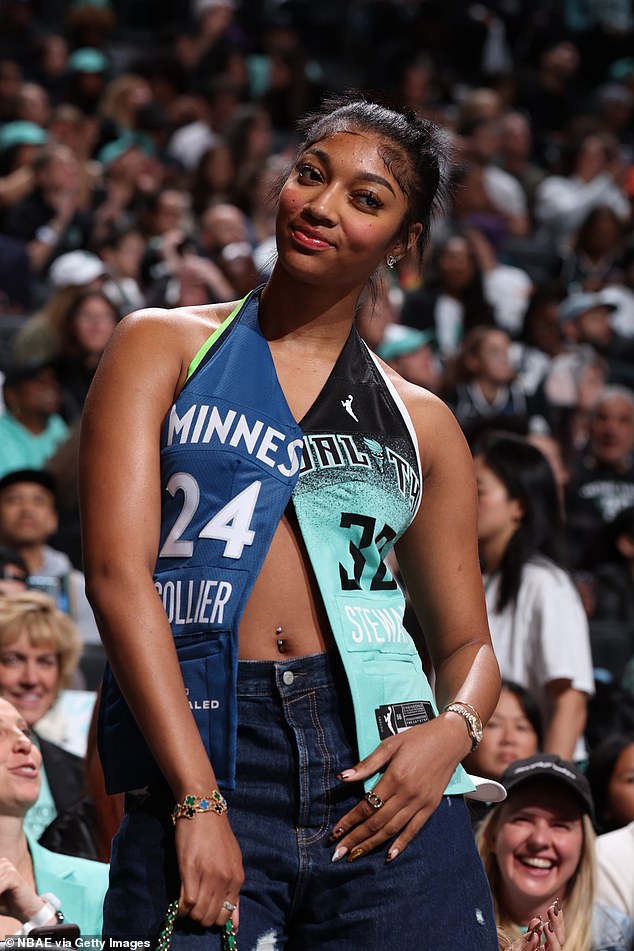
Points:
(341, 211)
(29, 677)
(20, 762)
(538, 844)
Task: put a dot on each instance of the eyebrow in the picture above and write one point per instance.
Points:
(364, 176)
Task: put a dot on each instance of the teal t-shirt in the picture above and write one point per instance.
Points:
(22, 449)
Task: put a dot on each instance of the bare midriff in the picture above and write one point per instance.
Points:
(284, 616)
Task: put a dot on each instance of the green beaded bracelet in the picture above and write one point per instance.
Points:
(190, 805)
(229, 939)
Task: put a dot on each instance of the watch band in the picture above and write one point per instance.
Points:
(471, 717)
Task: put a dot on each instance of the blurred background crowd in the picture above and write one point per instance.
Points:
(139, 146)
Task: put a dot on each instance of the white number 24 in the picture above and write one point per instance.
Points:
(230, 525)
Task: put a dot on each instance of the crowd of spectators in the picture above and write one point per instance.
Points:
(140, 144)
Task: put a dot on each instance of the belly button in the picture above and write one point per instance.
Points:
(281, 643)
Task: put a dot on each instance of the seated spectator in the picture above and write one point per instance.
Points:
(610, 601)
(121, 250)
(586, 320)
(481, 142)
(452, 300)
(37, 883)
(38, 338)
(506, 287)
(592, 260)
(538, 626)
(223, 237)
(28, 518)
(412, 353)
(31, 427)
(39, 652)
(48, 219)
(84, 331)
(540, 339)
(610, 773)
(538, 849)
(484, 388)
(615, 869)
(514, 731)
(574, 381)
(595, 176)
(602, 480)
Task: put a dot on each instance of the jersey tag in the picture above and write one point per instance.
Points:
(397, 717)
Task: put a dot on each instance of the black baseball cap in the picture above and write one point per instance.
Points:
(40, 476)
(552, 767)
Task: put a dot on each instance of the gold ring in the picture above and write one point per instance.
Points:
(373, 799)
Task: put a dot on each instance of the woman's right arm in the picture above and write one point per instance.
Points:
(120, 496)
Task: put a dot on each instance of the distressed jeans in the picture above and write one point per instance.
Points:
(295, 735)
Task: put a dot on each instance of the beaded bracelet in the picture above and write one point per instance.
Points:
(190, 805)
(229, 939)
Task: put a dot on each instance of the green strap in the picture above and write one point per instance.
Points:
(210, 341)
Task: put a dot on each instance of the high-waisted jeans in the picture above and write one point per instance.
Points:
(295, 735)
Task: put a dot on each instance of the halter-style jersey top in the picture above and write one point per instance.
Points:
(232, 458)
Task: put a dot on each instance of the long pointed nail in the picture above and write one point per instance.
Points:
(355, 854)
(339, 853)
(391, 855)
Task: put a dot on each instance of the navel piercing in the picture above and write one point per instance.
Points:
(280, 640)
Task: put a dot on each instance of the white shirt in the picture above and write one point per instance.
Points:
(543, 635)
(508, 289)
(615, 869)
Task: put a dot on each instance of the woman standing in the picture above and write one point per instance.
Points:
(276, 462)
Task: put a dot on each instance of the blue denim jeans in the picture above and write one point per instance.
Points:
(295, 734)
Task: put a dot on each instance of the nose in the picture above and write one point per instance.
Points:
(22, 743)
(322, 205)
(538, 838)
(29, 672)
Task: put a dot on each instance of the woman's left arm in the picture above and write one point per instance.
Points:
(438, 559)
(567, 720)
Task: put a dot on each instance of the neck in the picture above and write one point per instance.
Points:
(13, 844)
(492, 551)
(488, 389)
(34, 422)
(33, 556)
(307, 314)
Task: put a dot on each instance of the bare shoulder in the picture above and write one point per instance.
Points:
(162, 342)
(188, 327)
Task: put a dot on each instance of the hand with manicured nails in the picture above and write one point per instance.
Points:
(417, 766)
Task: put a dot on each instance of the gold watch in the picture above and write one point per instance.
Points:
(471, 717)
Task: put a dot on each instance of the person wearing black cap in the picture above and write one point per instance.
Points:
(537, 847)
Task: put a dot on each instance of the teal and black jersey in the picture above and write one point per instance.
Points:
(232, 459)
